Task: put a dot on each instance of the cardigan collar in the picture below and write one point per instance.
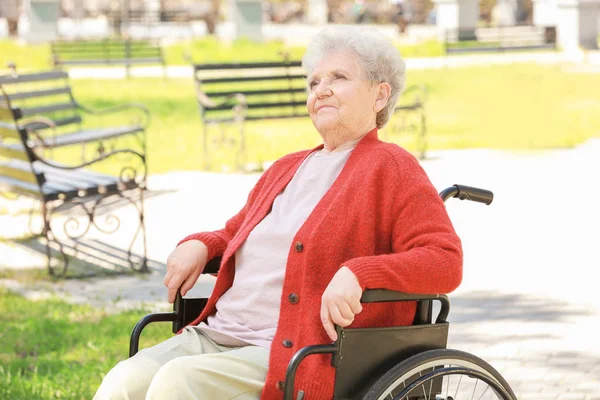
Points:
(369, 137)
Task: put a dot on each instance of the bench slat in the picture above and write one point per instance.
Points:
(78, 179)
(38, 126)
(86, 44)
(16, 151)
(11, 185)
(27, 112)
(263, 117)
(50, 188)
(8, 130)
(501, 48)
(256, 92)
(77, 183)
(108, 48)
(61, 187)
(39, 93)
(256, 117)
(86, 136)
(5, 113)
(58, 183)
(20, 171)
(25, 78)
(88, 55)
(249, 65)
(111, 61)
(251, 78)
(260, 105)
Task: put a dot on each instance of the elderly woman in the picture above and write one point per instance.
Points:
(319, 228)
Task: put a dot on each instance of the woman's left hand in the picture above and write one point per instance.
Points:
(340, 301)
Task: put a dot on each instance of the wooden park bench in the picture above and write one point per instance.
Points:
(255, 91)
(499, 39)
(107, 52)
(40, 117)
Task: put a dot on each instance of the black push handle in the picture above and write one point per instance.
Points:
(468, 193)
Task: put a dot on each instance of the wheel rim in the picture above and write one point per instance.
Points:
(447, 379)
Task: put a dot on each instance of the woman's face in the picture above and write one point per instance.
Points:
(341, 102)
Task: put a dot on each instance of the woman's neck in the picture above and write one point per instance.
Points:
(332, 143)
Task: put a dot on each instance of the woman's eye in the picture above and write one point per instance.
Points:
(313, 84)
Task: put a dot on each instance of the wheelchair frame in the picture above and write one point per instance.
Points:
(365, 368)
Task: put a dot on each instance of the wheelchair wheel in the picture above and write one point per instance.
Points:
(441, 375)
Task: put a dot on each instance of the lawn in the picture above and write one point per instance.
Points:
(522, 106)
(208, 49)
(54, 350)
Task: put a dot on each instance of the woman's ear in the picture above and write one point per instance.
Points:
(383, 94)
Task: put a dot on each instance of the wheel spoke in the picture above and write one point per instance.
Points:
(458, 386)
(430, 389)
(423, 376)
(480, 397)
(474, 388)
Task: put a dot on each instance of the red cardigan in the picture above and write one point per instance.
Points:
(382, 218)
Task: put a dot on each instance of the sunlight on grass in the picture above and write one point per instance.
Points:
(52, 349)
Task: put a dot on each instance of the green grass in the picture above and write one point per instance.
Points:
(51, 349)
(503, 107)
(208, 49)
(24, 56)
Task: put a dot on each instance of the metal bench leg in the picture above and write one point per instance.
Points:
(50, 238)
(141, 265)
(74, 230)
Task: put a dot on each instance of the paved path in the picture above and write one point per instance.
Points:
(528, 303)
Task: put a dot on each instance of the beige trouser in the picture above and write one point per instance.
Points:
(188, 366)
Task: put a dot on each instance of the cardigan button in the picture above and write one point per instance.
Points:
(287, 343)
(299, 247)
(294, 298)
(279, 385)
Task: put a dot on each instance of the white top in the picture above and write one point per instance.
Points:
(248, 312)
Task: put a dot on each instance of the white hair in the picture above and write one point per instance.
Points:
(379, 59)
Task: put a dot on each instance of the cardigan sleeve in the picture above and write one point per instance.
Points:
(217, 241)
(426, 252)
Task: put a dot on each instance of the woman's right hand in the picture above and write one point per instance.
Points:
(184, 266)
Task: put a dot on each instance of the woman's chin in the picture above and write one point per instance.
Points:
(326, 125)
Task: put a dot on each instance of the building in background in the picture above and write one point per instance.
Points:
(9, 10)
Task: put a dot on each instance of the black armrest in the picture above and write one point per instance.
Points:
(382, 295)
(213, 265)
(186, 310)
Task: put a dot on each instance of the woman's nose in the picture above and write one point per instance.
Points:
(323, 88)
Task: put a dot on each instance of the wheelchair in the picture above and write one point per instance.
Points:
(406, 362)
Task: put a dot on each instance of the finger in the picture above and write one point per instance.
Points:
(326, 321)
(188, 284)
(356, 306)
(336, 316)
(168, 277)
(174, 285)
(344, 309)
